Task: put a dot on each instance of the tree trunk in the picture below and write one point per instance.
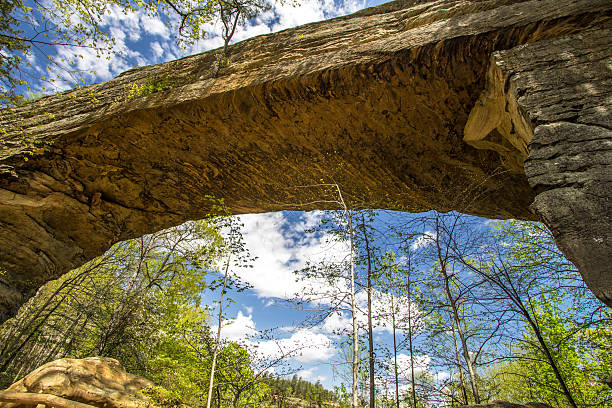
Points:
(414, 399)
(566, 392)
(456, 318)
(370, 329)
(218, 339)
(355, 362)
(397, 401)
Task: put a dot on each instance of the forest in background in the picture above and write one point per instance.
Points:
(493, 305)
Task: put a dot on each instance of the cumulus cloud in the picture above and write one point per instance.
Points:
(337, 322)
(239, 329)
(382, 320)
(305, 346)
(309, 374)
(281, 248)
(421, 364)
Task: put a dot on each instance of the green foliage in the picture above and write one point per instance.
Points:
(574, 326)
(22, 100)
(149, 87)
(117, 305)
(161, 396)
(298, 392)
(142, 303)
(582, 354)
(12, 47)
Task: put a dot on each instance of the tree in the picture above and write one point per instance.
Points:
(116, 305)
(345, 230)
(36, 30)
(559, 317)
(11, 49)
(363, 227)
(459, 313)
(234, 248)
(398, 283)
(233, 12)
(453, 296)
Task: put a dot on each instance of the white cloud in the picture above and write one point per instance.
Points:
(382, 319)
(337, 322)
(134, 31)
(428, 238)
(309, 374)
(157, 49)
(421, 364)
(305, 345)
(239, 329)
(282, 248)
(154, 26)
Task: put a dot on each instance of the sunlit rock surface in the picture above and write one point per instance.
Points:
(97, 381)
(404, 106)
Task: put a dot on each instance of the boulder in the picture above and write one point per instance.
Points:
(95, 381)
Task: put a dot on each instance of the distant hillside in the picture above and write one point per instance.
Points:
(299, 393)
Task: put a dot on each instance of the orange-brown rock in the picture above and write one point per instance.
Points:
(96, 381)
(377, 101)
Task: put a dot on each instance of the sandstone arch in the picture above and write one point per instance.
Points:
(409, 105)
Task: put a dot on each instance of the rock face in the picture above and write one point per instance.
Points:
(405, 106)
(558, 99)
(100, 382)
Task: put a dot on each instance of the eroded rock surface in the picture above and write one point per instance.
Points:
(562, 89)
(377, 102)
(97, 381)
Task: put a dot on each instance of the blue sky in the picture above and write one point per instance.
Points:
(282, 245)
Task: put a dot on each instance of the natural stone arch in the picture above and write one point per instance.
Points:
(414, 107)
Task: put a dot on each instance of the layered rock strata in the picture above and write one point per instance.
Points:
(562, 89)
(377, 102)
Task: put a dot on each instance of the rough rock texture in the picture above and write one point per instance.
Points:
(101, 382)
(562, 89)
(377, 102)
(503, 404)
